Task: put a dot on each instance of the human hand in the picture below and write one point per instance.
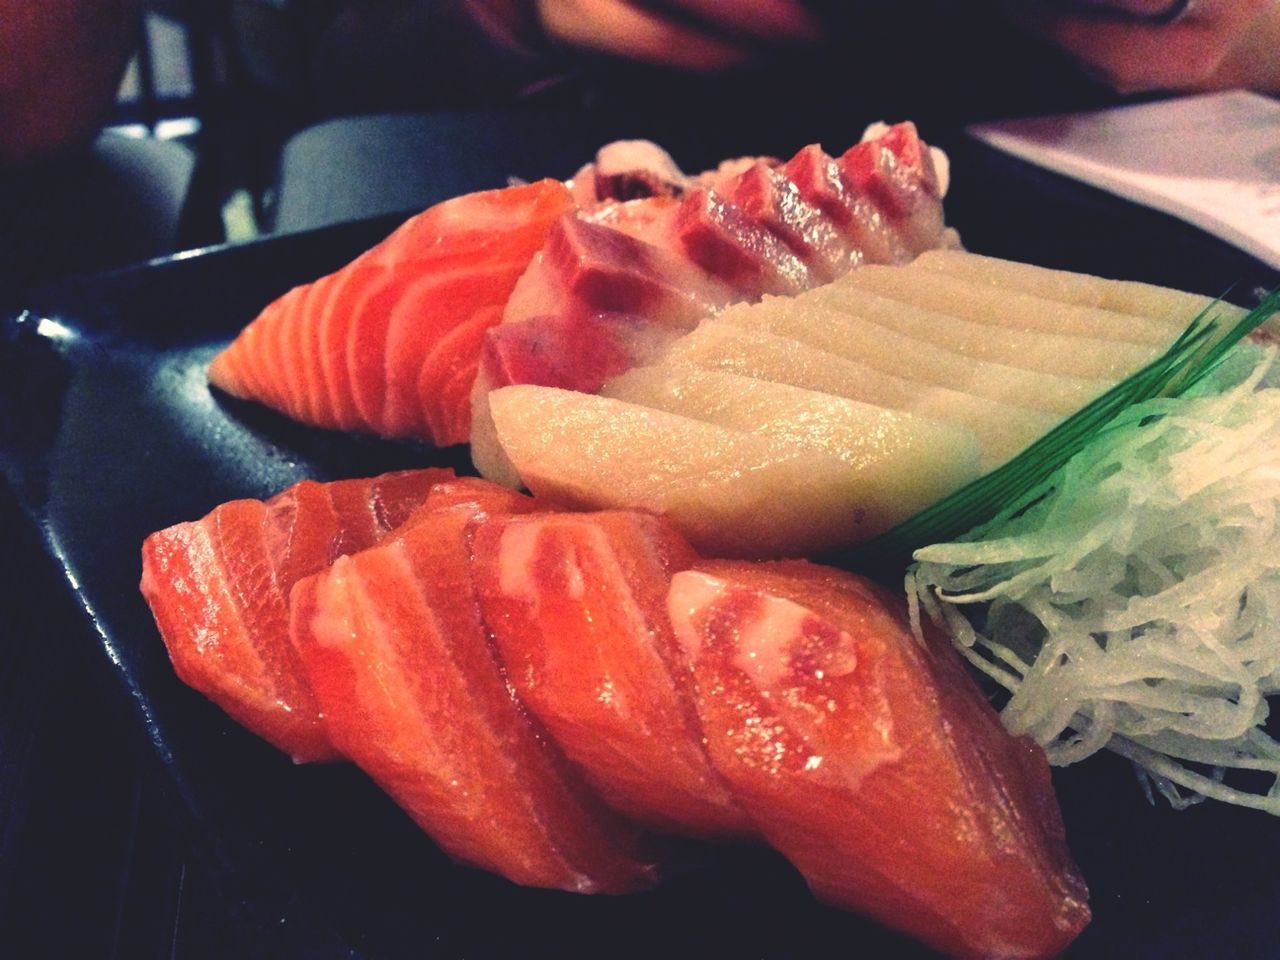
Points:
(688, 34)
(1210, 45)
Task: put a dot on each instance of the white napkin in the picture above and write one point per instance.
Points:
(1213, 160)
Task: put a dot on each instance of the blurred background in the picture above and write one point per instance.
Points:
(242, 117)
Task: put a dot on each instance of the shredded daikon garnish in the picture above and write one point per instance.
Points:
(1135, 604)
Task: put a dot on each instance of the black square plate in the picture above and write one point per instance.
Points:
(109, 432)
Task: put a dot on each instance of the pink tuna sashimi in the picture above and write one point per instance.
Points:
(219, 588)
(819, 181)
(734, 247)
(571, 351)
(896, 171)
(873, 763)
(577, 604)
(589, 267)
(348, 351)
(766, 195)
(411, 690)
(780, 230)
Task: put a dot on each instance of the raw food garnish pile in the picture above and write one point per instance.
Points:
(1133, 600)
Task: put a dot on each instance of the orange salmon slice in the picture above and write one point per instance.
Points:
(219, 591)
(347, 351)
(577, 604)
(873, 764)
(412, 691)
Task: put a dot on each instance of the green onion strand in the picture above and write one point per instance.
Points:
(1192, 356)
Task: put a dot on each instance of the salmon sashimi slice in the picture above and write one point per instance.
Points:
(428, 314)
(449, 372)
(402, 667)
(873, 763)
(347, 351)
(219, 587)
(481, 495)
(577, 605)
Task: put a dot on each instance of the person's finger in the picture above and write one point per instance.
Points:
(1178, 56)
(617, 27)
(776, 21)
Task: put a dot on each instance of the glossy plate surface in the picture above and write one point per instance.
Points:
(110, 432)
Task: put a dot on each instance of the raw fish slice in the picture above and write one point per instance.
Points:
(814, 321)
(305, 375)
(1121, 296)
(577, 605)
(334, 326)
(430, 365)
(369, 509)
(873, 764)
(638, 257)
(448, 373)
(589, 267)
(1002, 429)
(275, 355)
(479, 227)
(1019, 345)
(298, 531)
(487, 455)
(730, 492)
(281, 348)
(588, 270)
(247, 376)
(768, 197)
(1008, 308)
(218, 588)
(212, 590)
(411, 691)
(819, 181)
(651, 219)
(732, 246)
(900, 463)
(492, 234)
(574, 352)
(895, 170)
(481, 495)
(626, 170)
(366, 346)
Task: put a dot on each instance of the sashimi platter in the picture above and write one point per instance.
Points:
(784, 523)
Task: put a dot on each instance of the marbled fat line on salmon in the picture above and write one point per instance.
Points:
(219, 590)
(873, 763)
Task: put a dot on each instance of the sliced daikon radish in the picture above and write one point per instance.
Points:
(903, 462)
(1122, 296)
(920, 359)
(732, 493)
(1002, 429)
(985, 304)
(1017, 346)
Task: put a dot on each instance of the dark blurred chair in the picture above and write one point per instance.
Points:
(118, 202)
(348, 168)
